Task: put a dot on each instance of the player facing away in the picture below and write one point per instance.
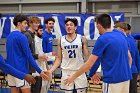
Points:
(70, 56)
(112, 48)
(19, 54)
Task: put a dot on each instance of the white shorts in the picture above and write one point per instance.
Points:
(122, 87)
(80, 82)
(15, 82)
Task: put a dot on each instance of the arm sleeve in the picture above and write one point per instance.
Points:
(27, 51)
(137, 37)
(10, 70)
(44, 44)
(94, 68)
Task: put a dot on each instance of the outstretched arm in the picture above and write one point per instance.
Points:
(84, 68)
(58, 59)
(12, 71)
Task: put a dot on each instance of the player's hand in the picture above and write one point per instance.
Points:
(44, 76)
(42, 57)
(48, 73)
(30, 79)
(69, 80)
(53, 53)
(96, 78)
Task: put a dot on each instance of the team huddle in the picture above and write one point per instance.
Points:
(30, 57)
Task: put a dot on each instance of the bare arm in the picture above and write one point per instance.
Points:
(85, 49)
(58, 59)
(85, 67)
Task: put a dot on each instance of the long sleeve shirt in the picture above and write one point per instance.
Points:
(10, 70)
(18, 52)
(135, 68)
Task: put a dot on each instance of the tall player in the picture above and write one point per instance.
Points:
(70, 52)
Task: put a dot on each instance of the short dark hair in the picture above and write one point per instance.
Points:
(19, 18)
(128, 27)
(104, 20)
(73, 20)
(48, 19)
(39, 27)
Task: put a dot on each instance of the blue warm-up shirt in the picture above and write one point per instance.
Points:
(18, 52)
(113, 48)
(47, 42)
(10, 70)
(135, 68)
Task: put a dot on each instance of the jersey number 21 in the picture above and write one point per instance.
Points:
(72, 54)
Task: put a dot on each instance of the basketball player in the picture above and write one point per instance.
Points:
(112, 48)
(70, 52)
(19, 54)
(135, 69)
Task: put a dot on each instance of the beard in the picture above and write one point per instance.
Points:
(39, 35)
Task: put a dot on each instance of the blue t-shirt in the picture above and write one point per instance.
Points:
(94, 67)
(10, 70)
(47, 43)
(18, 52)
(135, 68)
(112, 48)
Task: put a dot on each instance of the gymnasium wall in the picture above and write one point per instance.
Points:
(131, 8)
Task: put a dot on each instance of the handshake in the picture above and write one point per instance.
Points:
(46, 75)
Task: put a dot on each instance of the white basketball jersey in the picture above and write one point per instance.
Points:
(72, 57)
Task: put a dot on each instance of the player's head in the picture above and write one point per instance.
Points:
(71, 25)
(20, 22)
(34, 22)
(39, 32)
(103, 22)
(49, 23)
(121, 26)
(128, 29)
(116, 22)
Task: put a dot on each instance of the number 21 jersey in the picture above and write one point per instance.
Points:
(72, 57)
